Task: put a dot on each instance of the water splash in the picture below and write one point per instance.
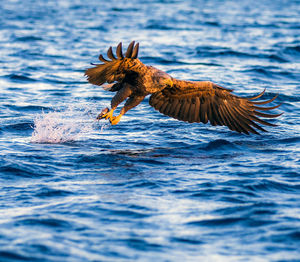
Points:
(72, 123)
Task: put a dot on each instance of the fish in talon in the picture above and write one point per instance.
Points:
(103, 113)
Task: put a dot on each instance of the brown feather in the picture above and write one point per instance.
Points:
(154, 102)
(159, 104)
(246, 123)
(115, 70)
(256, 119)
(119, 51)
(215, 111)
(191, 114)
(197, 109)
(203, 112)
(264, 102)
(129, 50)
(168, 108)
(163, 107)
(266, 108)
(181, 111)
(110, 54)
(101, 58)
(225, 116)
(173, 107)
(210, 114)
(185, 109)
(231, 118)
(247, 120)
(267, 115)
(177, 110)
(256, 97)
(135, 51)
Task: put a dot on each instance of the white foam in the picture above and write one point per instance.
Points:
(71, 123)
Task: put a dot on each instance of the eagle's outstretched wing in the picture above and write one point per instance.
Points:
(205, 101)
(115, 69)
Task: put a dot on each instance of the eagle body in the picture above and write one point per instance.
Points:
(145, 80)
(190, 101)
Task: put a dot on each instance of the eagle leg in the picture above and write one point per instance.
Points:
(130, 103)
(120, 96)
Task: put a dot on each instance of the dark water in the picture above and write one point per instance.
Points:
(150, 188)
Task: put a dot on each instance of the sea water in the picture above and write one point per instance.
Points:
(151, 187)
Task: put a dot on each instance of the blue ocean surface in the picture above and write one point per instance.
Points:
(150, 188)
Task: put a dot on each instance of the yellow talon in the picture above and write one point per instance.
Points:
(109, 115)
(115, 119)
(105, 115)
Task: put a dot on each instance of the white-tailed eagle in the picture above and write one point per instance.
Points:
(191, 101)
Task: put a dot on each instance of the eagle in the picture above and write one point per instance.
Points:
(189, 101)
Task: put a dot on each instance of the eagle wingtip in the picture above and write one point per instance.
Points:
(132, 52)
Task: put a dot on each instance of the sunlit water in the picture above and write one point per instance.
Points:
(150, 188)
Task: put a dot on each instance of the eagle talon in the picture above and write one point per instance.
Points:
(105, 113)
(115, 119)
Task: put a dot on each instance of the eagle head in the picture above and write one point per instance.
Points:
(163, 80)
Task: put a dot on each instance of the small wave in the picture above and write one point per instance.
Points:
(47, 192)
(29, 38)
(17, 127)
(141, 244)
(208, 51)
(28, 108)
(20, 78)
(14, 256)
(48, 222)
(272, 186)
(227, 221)
(15, 170)
(66, 125)
(186, 240)
(293, 49)
(219, 144)
(154, 25)
(128, 213)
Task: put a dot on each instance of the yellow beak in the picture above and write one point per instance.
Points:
(169, 82)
